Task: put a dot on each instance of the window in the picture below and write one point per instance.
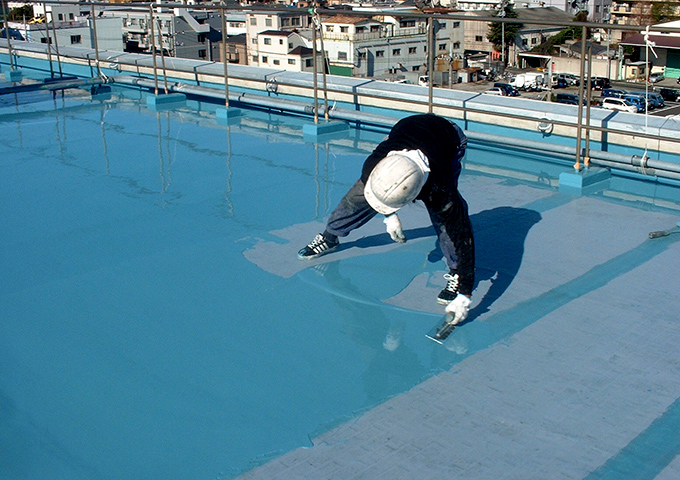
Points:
(253, 21)
(407, 23)
(375, 28)
(360, 29)
(380, 53)
(442, 47)
(456, 45)
(201, 38)
(342, 55)
(295, 21)
(456, 24)
(308, 62)
(268, 22)
(479, 38)
(344, 29)
(280, 41)
(534, 41)
(285, 22)
(330, 28)
(396, 51)
(525, 42)
(442, 25)
(291, 61)
(254, 58)
(412, 50)
(202, 53)
(267, 41)
(362, 54)
(76, 39)
(265, 59)
(416, 68)
(70, 16)
(253, 41)
(277, 62)
(60, 17)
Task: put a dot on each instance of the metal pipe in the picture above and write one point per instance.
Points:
(153, 50)
(586, 158)
(160, 43)
(225, 58)
(579, 124)
(315, 74)
(430, 63)
(56, 42)
(7, 34)
(49, 43)
(96, 41)
(53, 86)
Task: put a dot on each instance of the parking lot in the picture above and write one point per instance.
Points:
(671, 108)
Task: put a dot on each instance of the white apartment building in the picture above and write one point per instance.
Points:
(284, 50)
(386, 45)
(258, 22)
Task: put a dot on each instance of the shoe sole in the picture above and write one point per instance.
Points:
(443, 302)
(312, 257)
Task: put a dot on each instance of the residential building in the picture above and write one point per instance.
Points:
(285, 50)
(270, 21)
(666, 55)
(180, 32)
(386, 45)
(638, 12)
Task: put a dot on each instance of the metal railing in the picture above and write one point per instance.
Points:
(583, 125)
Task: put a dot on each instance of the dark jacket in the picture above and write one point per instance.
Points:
(443, 143)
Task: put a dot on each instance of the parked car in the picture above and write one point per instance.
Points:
(509, 90)
(637, 100)
(613, 92)
(656, 77)
(612, 103)
(670, 94)
(559, 82)
(495, 91)
(570, 78)
(600, 83)
(568, 98)
(654, 100)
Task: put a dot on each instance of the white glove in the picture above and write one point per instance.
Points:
(393, 225)
(459, 308)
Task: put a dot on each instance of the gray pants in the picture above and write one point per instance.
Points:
(353, 211)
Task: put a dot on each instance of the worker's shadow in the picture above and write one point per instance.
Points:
(499, 233)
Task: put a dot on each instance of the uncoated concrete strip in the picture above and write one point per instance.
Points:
(558, 400)
(559, 396)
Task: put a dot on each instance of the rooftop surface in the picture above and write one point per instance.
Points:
(157, 323)
(568, 367)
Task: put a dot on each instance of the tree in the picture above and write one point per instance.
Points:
(502, 36)
(18, 14)
(568, 33)
(664, 11)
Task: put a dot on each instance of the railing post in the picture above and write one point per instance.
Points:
(579, 124)
(95, 39)
(225, 58)
(7, 34)
(153, 49)
(430, 61)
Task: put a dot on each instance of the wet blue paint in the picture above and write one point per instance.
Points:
(138, 342)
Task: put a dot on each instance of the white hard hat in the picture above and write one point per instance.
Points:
(396, 180)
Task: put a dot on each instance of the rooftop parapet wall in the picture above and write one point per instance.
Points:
(610, 131)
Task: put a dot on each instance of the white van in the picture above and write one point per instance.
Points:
(611, 103)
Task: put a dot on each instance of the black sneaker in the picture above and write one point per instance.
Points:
(317, 247)
(450, 292)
